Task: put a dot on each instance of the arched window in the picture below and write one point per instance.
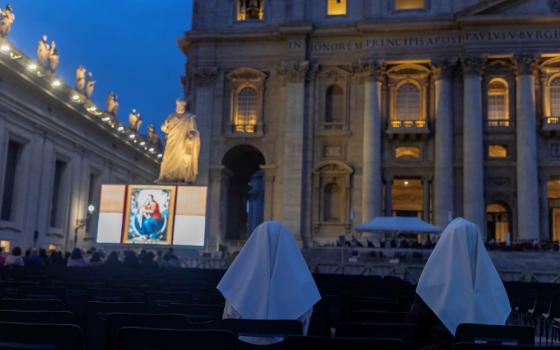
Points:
(334, 108)
(246, 112)
(408, 102)
(498, 221)
(498, 103)
(332, 202)
(555, 97)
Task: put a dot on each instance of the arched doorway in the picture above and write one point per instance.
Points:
(245, 193)
(498, 221)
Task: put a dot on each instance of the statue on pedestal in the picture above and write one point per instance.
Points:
(134, 120)
(54, 58)
(153, 138)
(8, 18)
(182, 148)
(112, 104)
(80, 78)
(43, 50)
(90, 85)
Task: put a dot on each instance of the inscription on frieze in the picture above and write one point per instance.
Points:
(429, 41)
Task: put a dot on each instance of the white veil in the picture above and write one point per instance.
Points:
(460, 283)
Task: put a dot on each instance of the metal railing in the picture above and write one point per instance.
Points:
(407, 124)
(498, 123)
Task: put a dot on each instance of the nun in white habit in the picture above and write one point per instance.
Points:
(459, 284)
(269, 280)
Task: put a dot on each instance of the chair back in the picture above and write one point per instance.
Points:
(60, 317)
(62, 336)
(491, 334)
(32, 304)
(326, 343)
(263, 328)
(132, 338)
(404, 332)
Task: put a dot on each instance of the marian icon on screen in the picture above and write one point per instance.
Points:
(182, 148)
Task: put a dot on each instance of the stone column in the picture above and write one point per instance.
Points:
(372, 173)
(473, 144)
(294, 74)
(216, 206)
(443, 169)
(389, 196)
(203, 108)
(527, 158)
(269, 178)
(545, 224)
(426, 199)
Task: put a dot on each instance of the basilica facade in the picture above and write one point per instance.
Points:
(324, 114)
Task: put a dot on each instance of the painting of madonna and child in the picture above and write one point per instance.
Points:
(152, 215)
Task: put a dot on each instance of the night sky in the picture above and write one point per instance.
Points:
(129, 45)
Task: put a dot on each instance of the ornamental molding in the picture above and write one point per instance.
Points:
(296, 71)
(525, 63)
(204, 75)
(472, 64)
(443, 69)
(369, 69)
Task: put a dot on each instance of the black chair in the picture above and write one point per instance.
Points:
(325, 343)
(116, 321)
(169, 339)
(62, 336)
(44, 293)
(97, 314)
(404, 332)
(12, 346)
(505, 335)
(60, 317)
(195, 310)
(376, 316)
(166, 298)
(472, 346)
(263, 328)
(32, 304)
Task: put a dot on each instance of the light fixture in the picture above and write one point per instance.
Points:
(120, 128)
(91, 109)
(91, 209)
(32, 67)
(152, 150)
(406, 182)
(5, 48)
(142, 143)
(132, 136)
(106, 118)
(159, 155)
(56, 83)
(76, 98)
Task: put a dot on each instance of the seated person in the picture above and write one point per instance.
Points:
(459, 284)
(269, 280)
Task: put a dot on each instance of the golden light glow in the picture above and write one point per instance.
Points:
(5, 245)
(409, 5)
(56, 83)
(407, 152)
(336, 7)
(497, 151)
(246, 14)
(76, 98)
(32, 67)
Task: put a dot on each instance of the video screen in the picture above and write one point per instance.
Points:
(152, 214)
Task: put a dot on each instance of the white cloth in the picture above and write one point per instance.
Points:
(269, 279)
(460, 283)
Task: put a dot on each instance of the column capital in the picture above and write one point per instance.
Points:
(525, 63)
(369, 69)
(204, 76)
(443, 68)
(472, 64)
(295, 71)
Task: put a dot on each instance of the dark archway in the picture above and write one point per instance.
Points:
(245, 193)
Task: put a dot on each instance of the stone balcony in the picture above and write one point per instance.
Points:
(550, 126)
(408, 129)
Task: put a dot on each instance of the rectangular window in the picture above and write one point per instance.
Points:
(336, 7)
(250, 10)
(10, 178)
(401, 5)
(58, 191)
(497, 151)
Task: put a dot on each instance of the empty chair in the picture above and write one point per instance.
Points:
(62, 336)
(325, 343)
(60, 317)
(473, 346)
(263, 328)
(12, 346)
(505, 335)
(169, 339)
(109, 295)
(31, 292)
(375, 316)
(96, 316)
(32, 304)
(116, 321)
(166, 298)
(404, 332)
(196, 310)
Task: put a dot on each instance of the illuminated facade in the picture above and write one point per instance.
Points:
(325, 114)
(56, 149)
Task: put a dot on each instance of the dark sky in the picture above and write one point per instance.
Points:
(129, 45)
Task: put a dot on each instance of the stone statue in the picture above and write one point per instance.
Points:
(134, 120)
(81, 78)
(112, 104)
(153, 138)
(90, 85)
(8, 18)
(43, 50)
(182, 148)
(54, 58)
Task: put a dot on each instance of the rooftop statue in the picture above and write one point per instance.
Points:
(43, 50)
(134, 120)
(8, 18)
(80, 78)
(153, 138)
(54, 58)
(182, 147)
(112, 104)
(90, 85)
